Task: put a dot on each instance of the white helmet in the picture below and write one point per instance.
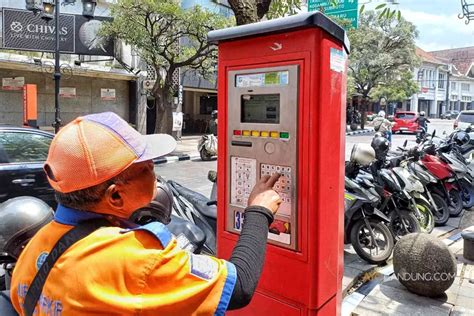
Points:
(362, 154)
(381, 114)
(422, 113)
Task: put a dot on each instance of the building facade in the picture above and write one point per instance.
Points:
(89, 83)
(445, 84)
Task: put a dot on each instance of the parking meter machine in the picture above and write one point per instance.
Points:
(282, 97)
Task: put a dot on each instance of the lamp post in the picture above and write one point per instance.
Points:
(51, 9)
(467, 10)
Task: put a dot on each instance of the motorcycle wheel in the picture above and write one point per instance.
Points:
(205, 156)
(426, 219)
(441, 216)
(362, 242)
(403, 217)
(456, 207)
(353, 127)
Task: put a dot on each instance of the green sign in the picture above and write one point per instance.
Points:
(344, 9)
(328, 7)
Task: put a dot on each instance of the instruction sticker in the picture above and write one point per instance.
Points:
(338, 62)
(243, 179)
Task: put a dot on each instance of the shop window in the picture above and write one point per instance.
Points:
(207, 104)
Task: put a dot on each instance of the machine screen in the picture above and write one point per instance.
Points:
(261, 108)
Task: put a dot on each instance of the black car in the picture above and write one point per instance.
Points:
(23, 152)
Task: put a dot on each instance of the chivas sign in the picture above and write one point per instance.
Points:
(23, 30)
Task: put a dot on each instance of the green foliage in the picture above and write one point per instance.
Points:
(164, 35)
(167, 38)
(382, 50)
(280, 8)
(396, 89)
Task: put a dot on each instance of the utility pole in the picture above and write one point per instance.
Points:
(448, 108)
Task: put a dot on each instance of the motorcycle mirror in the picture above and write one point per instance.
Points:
(212, 176)
(405, 143)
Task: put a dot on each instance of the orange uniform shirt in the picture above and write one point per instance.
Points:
(116, 271)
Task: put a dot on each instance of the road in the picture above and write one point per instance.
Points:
(193, 174)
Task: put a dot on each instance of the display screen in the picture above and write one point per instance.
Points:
(261, 108)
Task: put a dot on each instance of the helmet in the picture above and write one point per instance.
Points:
(461, 138)
(422, 113)
(381, 114)
(20, 219)
(214, 114)
(381, 145)
(362, 154)
(159, 208)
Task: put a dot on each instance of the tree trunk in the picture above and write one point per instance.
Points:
(245, 11)
(363, 114)
(164, 118)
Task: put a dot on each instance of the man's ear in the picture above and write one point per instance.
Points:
(113, 196)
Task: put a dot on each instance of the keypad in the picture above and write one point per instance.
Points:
(284, 185)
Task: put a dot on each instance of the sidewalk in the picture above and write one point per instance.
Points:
(379, 293)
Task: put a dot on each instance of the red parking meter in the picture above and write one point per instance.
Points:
(282, 96)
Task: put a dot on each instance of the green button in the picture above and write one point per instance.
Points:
(285, 135)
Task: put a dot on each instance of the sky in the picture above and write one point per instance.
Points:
(437, 22)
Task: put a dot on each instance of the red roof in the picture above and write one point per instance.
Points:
(428, 57)
(462, 58)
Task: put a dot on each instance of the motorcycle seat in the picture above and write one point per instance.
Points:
(198, 200)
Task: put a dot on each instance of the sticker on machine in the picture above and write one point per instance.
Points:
(280, 231)
(337, 60)
(243, 179)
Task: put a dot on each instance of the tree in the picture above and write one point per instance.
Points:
(396, 89)
(167, 38)
(382, 49)
(251, 11)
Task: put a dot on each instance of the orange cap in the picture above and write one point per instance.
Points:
(95, 148)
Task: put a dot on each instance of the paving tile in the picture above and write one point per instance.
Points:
(388, 300)
(461, 311)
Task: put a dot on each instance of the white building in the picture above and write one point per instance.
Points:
(437, 69)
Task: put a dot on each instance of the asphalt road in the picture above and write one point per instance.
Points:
(193, 174)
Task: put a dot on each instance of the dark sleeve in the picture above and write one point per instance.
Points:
(428, 121)
(249, 254)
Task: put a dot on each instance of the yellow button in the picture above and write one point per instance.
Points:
(264, 134)
(256, 133)
(275, 134)
(245, 133)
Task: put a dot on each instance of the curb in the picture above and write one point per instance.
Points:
(361, 132)
(168, 159)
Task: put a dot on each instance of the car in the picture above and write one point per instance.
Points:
(405, 121)
(464, 120)
(23, 152)
(449, 115)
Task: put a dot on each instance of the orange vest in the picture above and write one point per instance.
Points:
(116, 271)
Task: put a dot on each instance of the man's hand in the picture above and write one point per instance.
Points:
(264, 195)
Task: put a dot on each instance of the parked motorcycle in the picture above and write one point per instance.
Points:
(365, 227)
(207, 147)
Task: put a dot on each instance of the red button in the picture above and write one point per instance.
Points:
(237, 132)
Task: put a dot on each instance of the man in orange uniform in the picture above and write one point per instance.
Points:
(102, 170)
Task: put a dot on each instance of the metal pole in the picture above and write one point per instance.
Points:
(447, 91)
(57, 71)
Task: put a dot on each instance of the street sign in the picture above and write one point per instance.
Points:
(342, 5)
(344, 9)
